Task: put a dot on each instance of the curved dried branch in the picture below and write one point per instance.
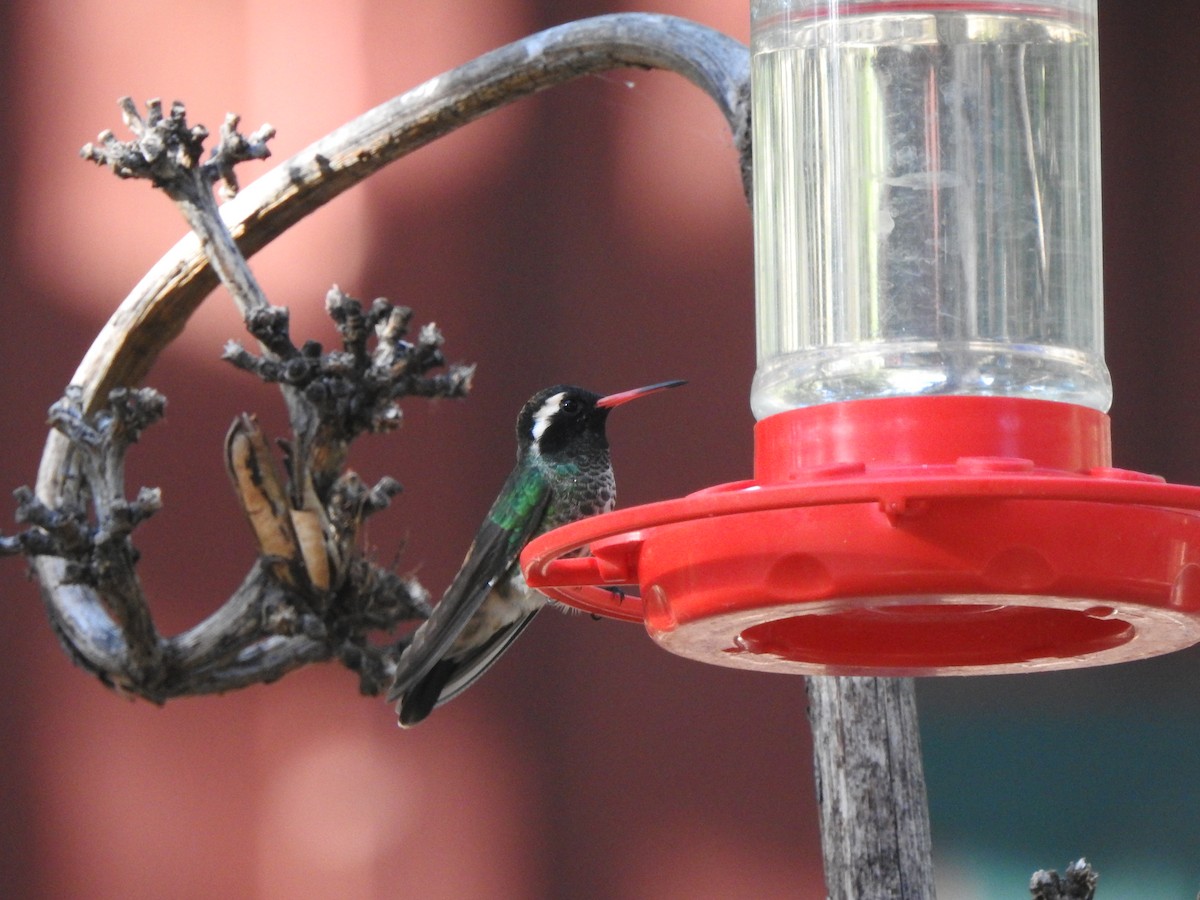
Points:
(242, 644)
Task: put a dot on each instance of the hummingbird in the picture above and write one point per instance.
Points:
(563, 473)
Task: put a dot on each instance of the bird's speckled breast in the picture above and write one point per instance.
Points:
(579, 490)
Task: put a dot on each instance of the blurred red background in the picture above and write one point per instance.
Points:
(594, 234)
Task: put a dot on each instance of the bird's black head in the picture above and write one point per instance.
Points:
(562, 419)
(568, 420)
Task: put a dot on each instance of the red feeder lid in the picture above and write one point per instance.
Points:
(903, 536)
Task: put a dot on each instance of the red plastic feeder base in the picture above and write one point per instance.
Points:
(908, 536)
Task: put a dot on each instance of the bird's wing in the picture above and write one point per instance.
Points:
(513, 519)
(470, 668)
(450, 676)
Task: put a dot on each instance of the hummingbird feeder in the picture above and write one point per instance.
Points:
(933, 490)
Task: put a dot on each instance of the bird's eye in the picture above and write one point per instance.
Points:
(570, 406)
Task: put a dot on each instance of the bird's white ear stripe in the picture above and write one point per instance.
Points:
(541, 418)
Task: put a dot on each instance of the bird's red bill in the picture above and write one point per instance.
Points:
(625, 396)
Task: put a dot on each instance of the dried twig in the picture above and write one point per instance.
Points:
(165, 151)
(1077, 883)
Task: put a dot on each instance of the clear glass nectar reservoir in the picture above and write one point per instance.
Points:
(926, 201)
